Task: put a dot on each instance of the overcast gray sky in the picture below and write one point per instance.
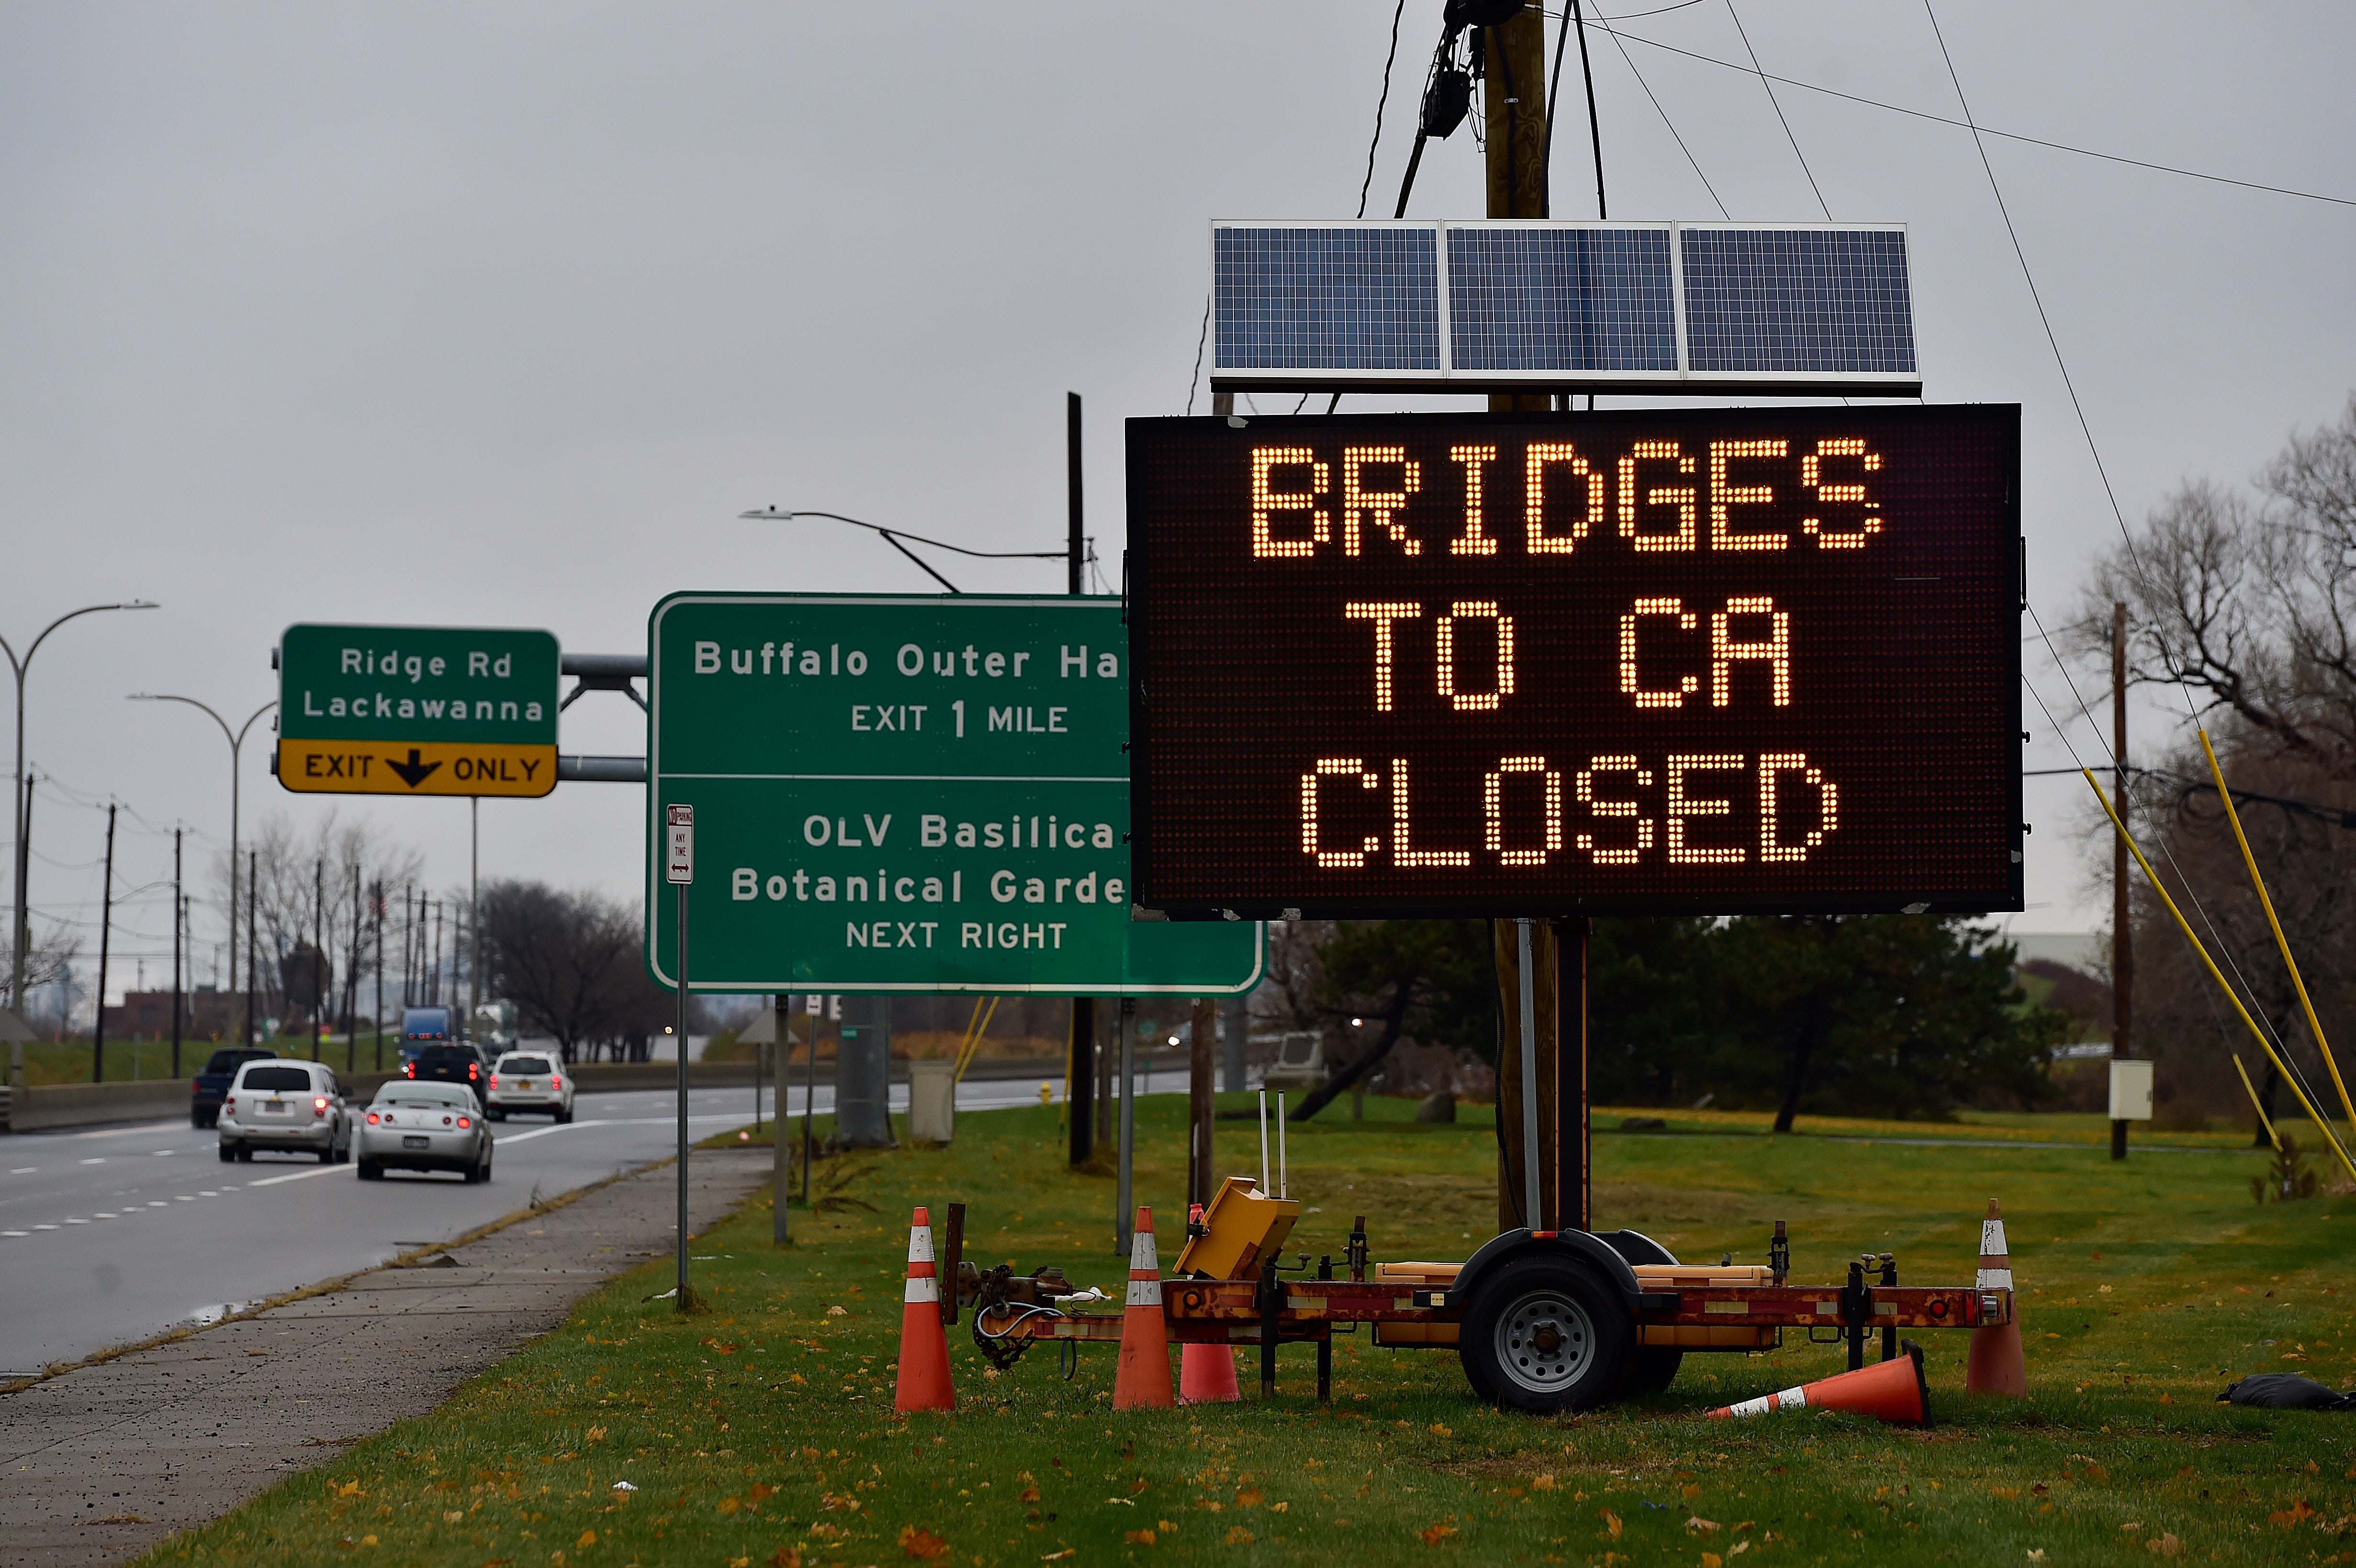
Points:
(500, 313)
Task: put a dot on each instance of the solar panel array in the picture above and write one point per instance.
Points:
(1633, 306)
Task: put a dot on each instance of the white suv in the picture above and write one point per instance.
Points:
(529, 1080)
(292, 1106)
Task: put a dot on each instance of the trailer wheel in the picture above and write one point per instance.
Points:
(1652, 1368)
(1544, 1334)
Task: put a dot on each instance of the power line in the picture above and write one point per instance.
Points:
(1605, 23)
(1380, 104)
(1665, 117)
(1761, 71)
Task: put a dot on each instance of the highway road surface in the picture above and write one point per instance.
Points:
(111, 1234)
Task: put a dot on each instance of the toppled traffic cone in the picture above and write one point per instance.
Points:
(1207, 1374)
(923, 1348)
(1891, 1391)
(1996, 1364)
(1143, 1378)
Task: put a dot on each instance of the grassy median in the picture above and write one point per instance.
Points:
(760, 1430)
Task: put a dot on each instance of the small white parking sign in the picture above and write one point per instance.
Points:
(680, 859)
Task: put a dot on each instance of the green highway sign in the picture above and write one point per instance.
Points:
(907, 794)
(417, 710)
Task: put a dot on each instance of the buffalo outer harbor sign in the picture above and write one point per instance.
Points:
(914, 793)
(443, 711)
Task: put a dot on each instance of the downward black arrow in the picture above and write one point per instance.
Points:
(412, 770)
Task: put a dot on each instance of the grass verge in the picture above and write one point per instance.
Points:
(761, 1430)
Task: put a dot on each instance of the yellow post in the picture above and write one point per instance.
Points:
(2250, 1088)
(2186, 926)
(2267, 903)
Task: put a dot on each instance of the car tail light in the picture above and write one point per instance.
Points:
(556, 1083)
(372, 1118)
(229, 1106)
(318, 1105)
(495, 1079)
(473, 1071)
(445, 1121)
(465, 1122)
(409, 1070)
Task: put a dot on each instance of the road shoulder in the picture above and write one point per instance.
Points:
(107, 1459)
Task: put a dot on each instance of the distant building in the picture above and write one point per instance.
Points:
(204, 1014)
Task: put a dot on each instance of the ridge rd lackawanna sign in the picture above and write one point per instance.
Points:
(1701, 662)
(417, 710)
(907, 794)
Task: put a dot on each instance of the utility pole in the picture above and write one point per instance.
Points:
(352, 984)
(1541, 1065)
(252, 946)
(1080, 1090)
(377, 910)
(106, 933)
(474, 924)
(2121, 925)
(176, 952)
(1200, 1106)
(318, 949)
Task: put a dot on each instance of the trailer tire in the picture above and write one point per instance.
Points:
(1652, 1368)
(1545, 1334)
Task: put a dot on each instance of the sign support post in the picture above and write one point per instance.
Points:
(679, 871)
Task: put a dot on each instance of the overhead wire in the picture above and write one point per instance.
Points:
(1761, 71)
(1654, 101)
(1605, 23)
(1380, 105)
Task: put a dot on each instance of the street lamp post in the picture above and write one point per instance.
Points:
(20, 796)
(236, 739)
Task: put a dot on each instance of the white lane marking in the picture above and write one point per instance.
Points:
(25, 1170)
(162, 1153)
(616, 1121)
(207, 1193)
(182, 1197)
(290, 1176)
(74, 1222)
(102, 1214)
(15, 1232)
(157, 1203)
(45, 1227)
(99, 1159)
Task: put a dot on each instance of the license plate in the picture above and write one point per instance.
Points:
(412, 1140)
(523, 1082)
(277, 1105)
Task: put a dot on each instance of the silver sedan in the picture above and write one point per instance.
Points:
(414, 1125)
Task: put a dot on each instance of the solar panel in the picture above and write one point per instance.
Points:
(1490, 306)
(1791, 300)
(1334, 299)
(1537, 298)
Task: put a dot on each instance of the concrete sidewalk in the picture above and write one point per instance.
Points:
(104, 1461)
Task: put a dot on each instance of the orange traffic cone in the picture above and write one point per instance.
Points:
(1207, 1374)
(1995, 1365)
(1887, 1391)
(923, 1348)
(1144, 1375)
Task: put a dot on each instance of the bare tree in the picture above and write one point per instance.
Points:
(2248, 599)
(357, 856)
(567, 960)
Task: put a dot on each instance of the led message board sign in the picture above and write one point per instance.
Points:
(1714, 661)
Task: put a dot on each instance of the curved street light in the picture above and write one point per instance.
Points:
(20, 797)
(894, 536)
(236, 739)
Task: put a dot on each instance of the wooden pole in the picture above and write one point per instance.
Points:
(2122, 923)
(105, 931)
(1199, 1104)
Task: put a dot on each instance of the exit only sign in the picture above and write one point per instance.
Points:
(417, 710)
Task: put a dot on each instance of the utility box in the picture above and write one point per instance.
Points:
(1242, 1226)
(932, 1101)
(2130, 1091)
(1299, 1062)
